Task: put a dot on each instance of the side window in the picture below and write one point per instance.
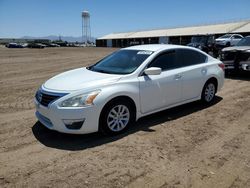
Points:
(190, 57)
(165, 61)
(237, 37)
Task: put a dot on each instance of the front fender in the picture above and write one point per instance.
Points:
(130, 90)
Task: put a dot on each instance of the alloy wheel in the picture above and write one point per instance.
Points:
(118, 118)
(209, 92)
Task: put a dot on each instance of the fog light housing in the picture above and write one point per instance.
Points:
(245, 67)
(73, 124)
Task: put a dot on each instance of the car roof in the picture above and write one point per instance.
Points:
(156, 47)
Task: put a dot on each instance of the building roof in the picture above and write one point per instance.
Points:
(235, 27)
(243, 29)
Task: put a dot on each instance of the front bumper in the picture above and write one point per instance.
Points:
(220, 46)
(229, 65)
(54, 118)
(243, 65)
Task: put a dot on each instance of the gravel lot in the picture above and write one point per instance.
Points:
(188, 146)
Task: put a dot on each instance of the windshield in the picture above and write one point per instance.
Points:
(244, 42)
(121, 62)
(199, 39)
(225, 36)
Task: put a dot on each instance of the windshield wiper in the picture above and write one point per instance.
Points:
(92, 68)
(102, 71)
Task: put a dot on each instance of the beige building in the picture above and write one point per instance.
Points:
(172, 35)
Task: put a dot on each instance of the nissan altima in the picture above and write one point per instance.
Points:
(133, 82)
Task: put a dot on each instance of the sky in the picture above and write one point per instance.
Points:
(39, 18)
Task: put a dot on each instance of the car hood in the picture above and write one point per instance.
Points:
(236, 48)
(79, 79)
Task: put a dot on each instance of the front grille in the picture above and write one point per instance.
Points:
(235, 55)
(46, 98)
(229, 55)
(244, 56)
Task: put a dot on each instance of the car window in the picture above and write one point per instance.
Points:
(225, 36)
(165, 61)
(237, 37)
(188, 57)
(121, 62)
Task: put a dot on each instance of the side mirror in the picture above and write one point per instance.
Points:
(153, 71)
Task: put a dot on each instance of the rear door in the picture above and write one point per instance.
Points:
(160, 91)
(194, 71)
(235, 39)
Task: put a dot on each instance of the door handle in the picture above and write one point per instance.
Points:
(177, 76)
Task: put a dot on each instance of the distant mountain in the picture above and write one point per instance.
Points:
(64, 38)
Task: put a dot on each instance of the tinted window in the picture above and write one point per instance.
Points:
(237, 37)
(225, 36)
(188, 57)
(165, 61)
(121, 62)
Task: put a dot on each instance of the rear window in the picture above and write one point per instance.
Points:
(188, 57)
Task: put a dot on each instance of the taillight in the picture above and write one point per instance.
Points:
(222, 66)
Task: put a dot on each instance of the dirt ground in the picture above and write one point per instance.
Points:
(188, 146)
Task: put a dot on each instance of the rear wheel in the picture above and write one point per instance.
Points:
(208, 92)
(116, 117)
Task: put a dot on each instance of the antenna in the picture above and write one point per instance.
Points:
(86, 31)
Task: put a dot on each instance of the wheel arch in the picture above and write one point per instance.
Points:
(214, 80)
(117, 98)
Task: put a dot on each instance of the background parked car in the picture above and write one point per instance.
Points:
(53, 45)
(228, 40)
(237, 57)
(14, 45)
(36, 45)
(205, 43)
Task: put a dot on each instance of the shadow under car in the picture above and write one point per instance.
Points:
(71, 142)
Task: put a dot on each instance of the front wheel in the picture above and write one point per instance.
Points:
(208, 92)
(116, 117)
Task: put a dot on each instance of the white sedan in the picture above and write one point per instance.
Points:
(228, 40)
(130, 83)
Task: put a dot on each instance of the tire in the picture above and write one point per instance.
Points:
(228, 44)
(208, 92)
(116, 117)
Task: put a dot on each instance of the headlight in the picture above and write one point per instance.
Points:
(80, 100)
